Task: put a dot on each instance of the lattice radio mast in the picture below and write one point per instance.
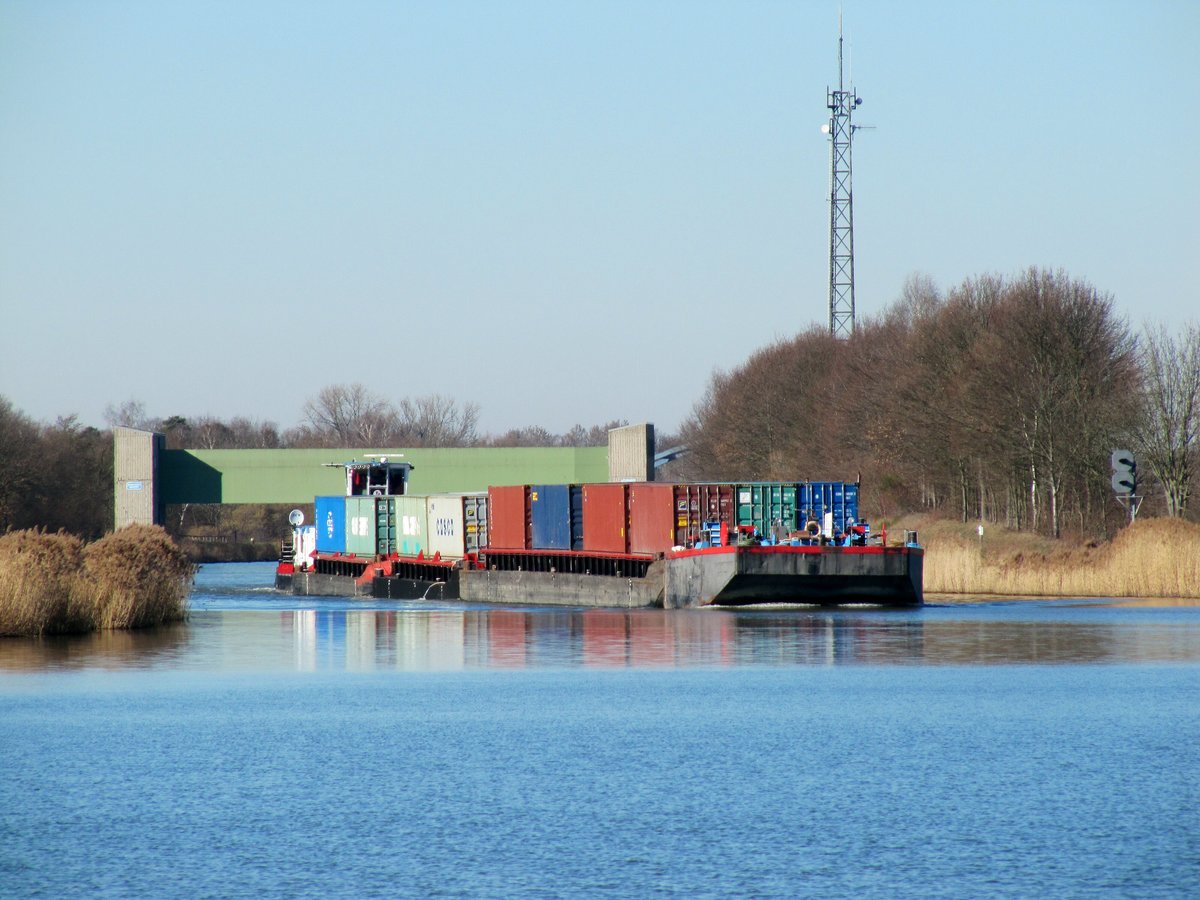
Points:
(841, 130)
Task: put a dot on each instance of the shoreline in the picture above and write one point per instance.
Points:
(1149, 601)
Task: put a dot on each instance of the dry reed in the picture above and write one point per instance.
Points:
(38, 572)
(1151, 558)
(53, 584)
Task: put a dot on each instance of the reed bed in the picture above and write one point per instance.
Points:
(54, 584)
(1151, 558)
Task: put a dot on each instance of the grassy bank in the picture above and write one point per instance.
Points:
(1151, 558)
(55, 584)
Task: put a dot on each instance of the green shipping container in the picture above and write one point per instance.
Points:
(385, 525)
(412, 525)
(371, 526)
(360, 525)
(767, 505)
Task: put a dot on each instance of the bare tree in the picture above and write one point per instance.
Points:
(253, 435)
(1169, 433)
(596, 436)
(528, 436)
(56, 476)
(130, 414)
(438, 421)
(1057, 371)
(349, 414)
(19, 452)
(209, 433)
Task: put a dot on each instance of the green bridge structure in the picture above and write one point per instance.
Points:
(148, 477)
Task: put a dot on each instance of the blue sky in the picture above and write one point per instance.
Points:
(562, 212)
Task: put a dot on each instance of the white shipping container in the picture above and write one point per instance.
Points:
(448, 526)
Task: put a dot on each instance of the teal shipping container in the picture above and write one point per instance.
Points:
(360, 525)
(769, 506)
(412, 525)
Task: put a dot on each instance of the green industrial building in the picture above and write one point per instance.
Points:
(148, 476)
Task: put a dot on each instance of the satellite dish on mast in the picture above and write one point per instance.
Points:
(296, 518)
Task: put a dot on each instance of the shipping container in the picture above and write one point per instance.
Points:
(833, 505)
(696, 504)
(769, 506)
(361, 523)
(508, 517)
(556, 516)
(454, 521)
(412, 525)
(651, 517)
(385, 525)
(475, 517)
(305, 546)
(330, 519)
(606, 518)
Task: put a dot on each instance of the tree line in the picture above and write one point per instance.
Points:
(351, 415)
(1000, 400)
(60, 476)
(56, 477)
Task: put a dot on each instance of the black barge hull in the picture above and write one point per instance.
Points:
(825, 576)
(719, 576)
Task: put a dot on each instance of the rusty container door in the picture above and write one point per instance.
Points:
(508, 517)
(606, 518)
(651, 517)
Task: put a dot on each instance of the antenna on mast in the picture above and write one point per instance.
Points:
(840, 129)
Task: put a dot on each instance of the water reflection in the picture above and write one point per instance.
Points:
(145, 647)
(407, 639)
(510, 639)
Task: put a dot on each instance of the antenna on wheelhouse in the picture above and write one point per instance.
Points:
(841, 103)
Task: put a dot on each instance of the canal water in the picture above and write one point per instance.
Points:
(309, 747)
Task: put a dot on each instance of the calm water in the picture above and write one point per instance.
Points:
(282, 747)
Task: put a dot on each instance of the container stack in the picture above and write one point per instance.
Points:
(606, 519)
(650, 518)
(447, 526)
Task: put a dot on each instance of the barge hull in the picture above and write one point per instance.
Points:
(314, 584)
(719, 576)
(563, 588)
(828, 576)
(398, 588)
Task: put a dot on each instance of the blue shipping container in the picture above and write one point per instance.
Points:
(852, 502)
(557, 514)
(838, 498)
(331, 524)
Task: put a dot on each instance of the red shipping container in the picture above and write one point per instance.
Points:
(696, 504)
(651, 517)
(606, 518)
(509, 522)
